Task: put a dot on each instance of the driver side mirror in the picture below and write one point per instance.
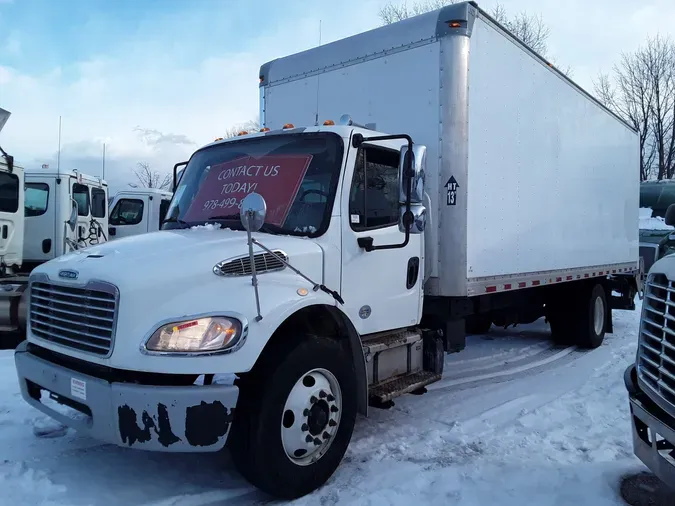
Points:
(72, 220)
(419, 168)
(416, 219)
(670, 215)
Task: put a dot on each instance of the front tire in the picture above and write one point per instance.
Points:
(295, 418)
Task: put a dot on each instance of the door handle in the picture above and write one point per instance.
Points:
(5, 231)
(413, 272)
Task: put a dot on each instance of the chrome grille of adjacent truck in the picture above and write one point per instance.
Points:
(656, 351)
(264, 262)
(78, 317)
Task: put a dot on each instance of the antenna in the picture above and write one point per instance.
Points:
(318, 82)
(58, 156)
(103, 177)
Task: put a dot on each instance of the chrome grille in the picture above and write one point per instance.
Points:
(264, 262)
(78, 317)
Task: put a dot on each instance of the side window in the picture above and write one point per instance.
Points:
(36, 199)
(98, 203)
(127, 212)
(81, 196)
(163, 208)
(373, 201)
(9, 192)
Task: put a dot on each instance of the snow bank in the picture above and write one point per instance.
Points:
(649, 222)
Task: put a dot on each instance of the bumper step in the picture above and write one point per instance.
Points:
(390, 389)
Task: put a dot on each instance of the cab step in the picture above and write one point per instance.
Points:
(384, 392)
(391, 354)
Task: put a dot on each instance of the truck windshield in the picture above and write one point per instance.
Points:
(297, 174)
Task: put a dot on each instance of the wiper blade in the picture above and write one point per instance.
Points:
(271, 229)
(180, 222)
(223, 217)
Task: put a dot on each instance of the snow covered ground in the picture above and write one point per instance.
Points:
(514, 421)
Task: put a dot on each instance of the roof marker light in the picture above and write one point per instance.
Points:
(264, 129)
(288, 125)
(329, 122)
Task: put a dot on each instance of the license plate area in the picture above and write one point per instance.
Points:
(60, 403)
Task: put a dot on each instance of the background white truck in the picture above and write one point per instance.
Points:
(349, 257)
(60, 212)
(137, 211)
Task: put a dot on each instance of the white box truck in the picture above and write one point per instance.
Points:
(317, 267)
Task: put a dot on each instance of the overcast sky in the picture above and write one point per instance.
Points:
(155, 79)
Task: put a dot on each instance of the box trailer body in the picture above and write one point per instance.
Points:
(327, 267)
(529, 177)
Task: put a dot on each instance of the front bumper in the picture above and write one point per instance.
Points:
(160, 418)
(653, 431)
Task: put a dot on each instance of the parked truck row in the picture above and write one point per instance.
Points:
(324, 265)
(46, 213)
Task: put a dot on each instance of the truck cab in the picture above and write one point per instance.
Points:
(650, 379)
(50, 199)
(137, 211)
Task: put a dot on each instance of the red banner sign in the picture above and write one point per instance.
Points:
(276, 178)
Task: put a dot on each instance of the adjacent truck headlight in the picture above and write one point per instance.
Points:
(194, 336)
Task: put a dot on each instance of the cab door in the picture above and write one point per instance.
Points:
(99, 210)
(381, 288)
(129, 216)
(82, 196)
(40, 236)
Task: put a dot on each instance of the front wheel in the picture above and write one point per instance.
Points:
(295, 419)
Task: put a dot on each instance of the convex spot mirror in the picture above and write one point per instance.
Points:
(253, 211)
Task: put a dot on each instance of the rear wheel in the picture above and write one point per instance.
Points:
(581, 319)
(295, 419)
(593, 319)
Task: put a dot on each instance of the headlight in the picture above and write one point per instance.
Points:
(194, 336)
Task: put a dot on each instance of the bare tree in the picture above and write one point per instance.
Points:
(252, 125)
(149, 178)
(642, 90)
(528, 28)
(531, 30)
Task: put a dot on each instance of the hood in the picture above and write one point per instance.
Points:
(178, 255)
